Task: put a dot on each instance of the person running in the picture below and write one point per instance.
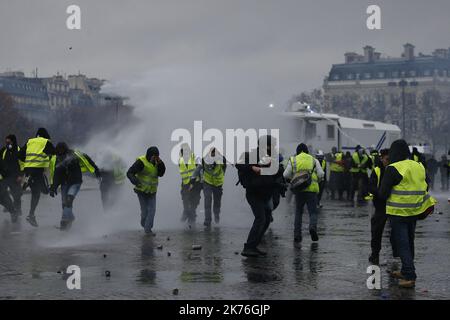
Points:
(144, 174)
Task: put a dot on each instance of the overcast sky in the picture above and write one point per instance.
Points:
(277, 48)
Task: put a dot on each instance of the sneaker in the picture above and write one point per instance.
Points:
(216, 219)
(298, 239)
(374, 259)
(150, 234)
(397, 274)
(32, 220)
(320, 206)
(402, 283)
(63, 225)
(207, 224)
(250, 253)
(183, 218)
(314, 236)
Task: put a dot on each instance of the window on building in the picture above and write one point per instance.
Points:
(412, 73)
(350, 76)
(413, 125)
(367, 75)
(311, 130)
(381, 75)
(395, 74)
(330, 132)
(427, 73)
(336, 77)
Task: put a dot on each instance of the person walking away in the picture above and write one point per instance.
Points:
(405, 189)
(322, 182)
(13, 171)
(66, 173)
(379, 218)
(113, 172)
(444, 170)
(347, 176)
(5, 199)
(36, 155)
(303, 162)
(432, 168)
(257, 177)
(144, 174)
(190, 189)
(337, 168)
(213, 166)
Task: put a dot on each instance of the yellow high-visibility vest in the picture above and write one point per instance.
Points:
(35, 156)
(334, 167)
(148, 177)
(410, 197)
(306, 162)
(355, 157)
(214, 176)
(186, 170)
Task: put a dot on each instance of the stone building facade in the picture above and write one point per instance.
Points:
(411, 91)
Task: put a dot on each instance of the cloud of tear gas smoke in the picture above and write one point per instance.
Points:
(170, 98)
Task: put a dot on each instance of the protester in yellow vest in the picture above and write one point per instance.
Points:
(379, 217)
(303, 162)
(144, 174)
(13, 171)
(405, 189)
(337, 168)
(190, 188)
(358, 170)
(213, 167)
(113, 173)
(322, 183)
(66, 171)
(36, 155)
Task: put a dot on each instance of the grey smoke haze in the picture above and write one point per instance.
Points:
(222, 62)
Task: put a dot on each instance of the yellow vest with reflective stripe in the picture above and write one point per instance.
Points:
(355, 157)
(21, 163)
(148, 177)
(334, 167)
(214, 176)
(35, 157)
(186, 170)
(85, 165)
(306, 162)
(410, 197)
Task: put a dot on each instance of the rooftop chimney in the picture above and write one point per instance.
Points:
(350, 57)
(440, 53)
(408, 51)
(368, 54)
(377, 56)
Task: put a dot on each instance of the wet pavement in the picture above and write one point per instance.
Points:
(32, 261)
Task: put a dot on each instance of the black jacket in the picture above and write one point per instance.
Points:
(378, 203)
(263, 186)
(67, 170)
(138, 166)
(10, 162)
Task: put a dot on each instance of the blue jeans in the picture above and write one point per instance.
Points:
(68, 194)
(310, 199)
(403, 230)
(147, 202)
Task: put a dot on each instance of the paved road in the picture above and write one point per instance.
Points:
(32, 261)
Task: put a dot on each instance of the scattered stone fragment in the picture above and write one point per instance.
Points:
(108, 273)
(160, 247)
(440, 212)
(169, 254)
(175, 292)
(104, 255)
(196, 247)
(168, 238)
(236, 252)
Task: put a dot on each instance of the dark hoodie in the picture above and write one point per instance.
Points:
(399, 151)
(138, 166)
(10, 159)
